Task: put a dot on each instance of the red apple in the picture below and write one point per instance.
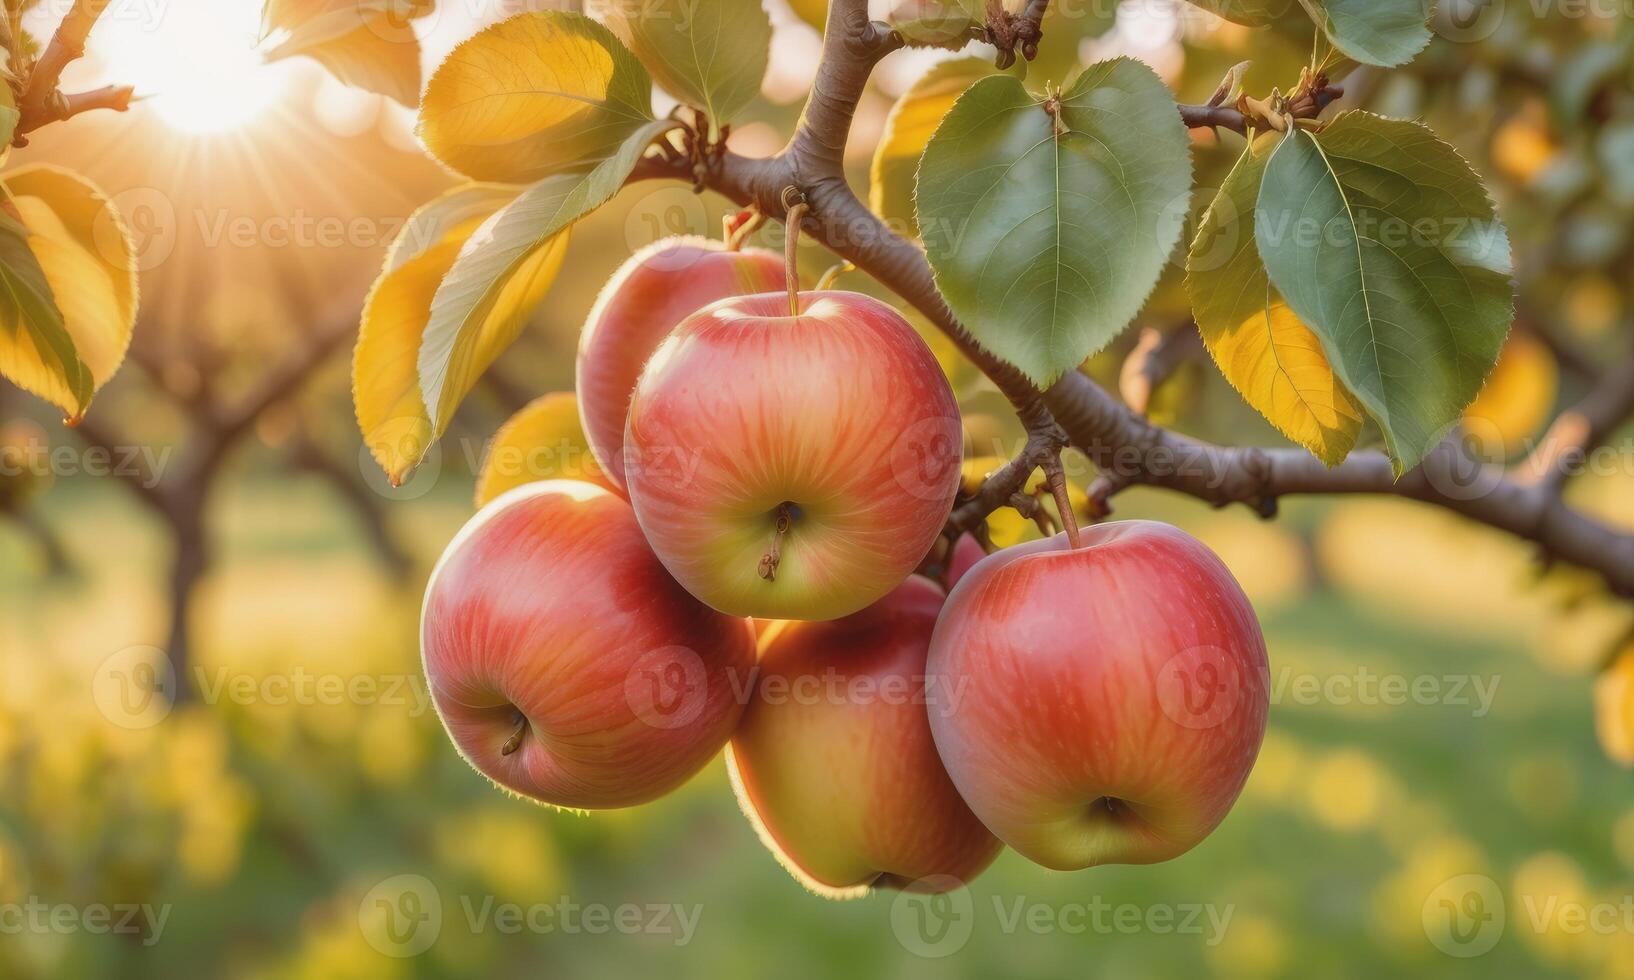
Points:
(833, 761)
(966, 554)
(793, 466)
(1117, 694)
(656, 288)
(565, 662)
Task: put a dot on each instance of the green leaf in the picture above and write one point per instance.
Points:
(10, 115)
(1377, 32)
(538, 94)
(36, 351)
(1254, 13)
(456, 349)
(1386, 244)
(907, 129)
(711, 54)
(1261, 347)
(938, 23)
(1047, 231)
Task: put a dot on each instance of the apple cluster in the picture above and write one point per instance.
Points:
(778, 464)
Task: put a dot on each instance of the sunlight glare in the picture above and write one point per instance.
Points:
(196, 60)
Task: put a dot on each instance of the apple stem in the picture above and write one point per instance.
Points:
(833, 272)
(515, 741)
(774, 555)
(796, 205)
(1057, 480)
(737, 227)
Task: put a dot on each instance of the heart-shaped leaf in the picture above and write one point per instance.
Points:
(538, 94)
(711, 55)
(1385, 243)
(1047, 220)
(1261, 347)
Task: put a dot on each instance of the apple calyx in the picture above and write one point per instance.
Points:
(774, 555)
(515, 741)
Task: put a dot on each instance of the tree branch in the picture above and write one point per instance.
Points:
(283, 381)
(1045, 440)
(1581, 429)
(58, 107)
(1127, 449)
(41, 102)
(134, 473)
(1156, 357)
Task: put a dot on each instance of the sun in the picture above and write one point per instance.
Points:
(196, 61)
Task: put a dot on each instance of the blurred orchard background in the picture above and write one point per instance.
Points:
(1442, 706)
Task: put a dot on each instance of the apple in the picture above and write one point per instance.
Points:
(966, 553)
(1117, 694)
(566, 664)
(833, 761)
(793, 466)
(656, 288)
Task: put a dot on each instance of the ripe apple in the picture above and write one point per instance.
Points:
(966, 554)
(656, 288)
(833, 761)
(1117, 694)
(565, 662)
(792, 466)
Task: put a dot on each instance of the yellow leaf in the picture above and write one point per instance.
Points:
(385, 378)
(1517, 400)
(84, 251)
(907, 129)
(813, 12)
(1614, 709)
(1262, 348)
(537, 94)
(543, 441)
